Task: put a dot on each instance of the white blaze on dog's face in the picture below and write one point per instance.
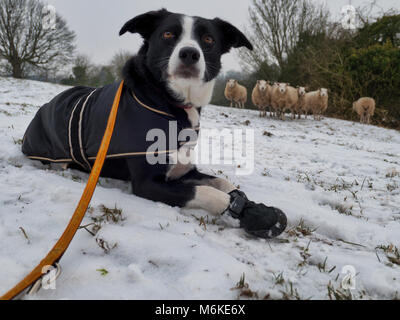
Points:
(187, 68)
(184, 52)
(262, 85)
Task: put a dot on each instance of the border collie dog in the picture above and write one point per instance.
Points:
(170, 79)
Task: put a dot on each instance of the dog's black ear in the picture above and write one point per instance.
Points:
(145, 24)
(231, 37)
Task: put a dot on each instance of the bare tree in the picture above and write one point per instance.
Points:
(275, 27)
(82, 69)
(369, 12)
(25, 41)
(118, 62)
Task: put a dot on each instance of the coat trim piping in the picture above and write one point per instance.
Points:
(70, 136)
(110, 156)
(150, 108)
(50, 160)
(130, 154)
(80, 130)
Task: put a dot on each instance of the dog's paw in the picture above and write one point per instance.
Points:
(262, 221)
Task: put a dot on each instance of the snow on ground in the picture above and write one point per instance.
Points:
(338, 182)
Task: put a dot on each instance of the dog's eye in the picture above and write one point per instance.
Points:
(168, 35)
(208, 39)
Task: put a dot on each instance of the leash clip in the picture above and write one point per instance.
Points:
(47, 280)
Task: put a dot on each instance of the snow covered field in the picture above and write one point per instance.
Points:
(338, 182)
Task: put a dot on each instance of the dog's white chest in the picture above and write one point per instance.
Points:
(194, 117)
(184, 157)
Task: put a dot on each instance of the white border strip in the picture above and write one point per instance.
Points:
(80, 129)
(69, 133)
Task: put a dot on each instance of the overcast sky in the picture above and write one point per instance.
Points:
(97, 22)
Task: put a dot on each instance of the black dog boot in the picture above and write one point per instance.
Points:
(257, 219)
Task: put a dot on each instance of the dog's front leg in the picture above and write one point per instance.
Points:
(149, 182)
(210, 199)
(202, 179)
(183, 194)
(256, 219)
(212, 193)
(199, 191)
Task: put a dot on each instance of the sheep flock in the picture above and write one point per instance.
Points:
(279, 98)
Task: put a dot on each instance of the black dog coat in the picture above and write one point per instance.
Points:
(70, 128)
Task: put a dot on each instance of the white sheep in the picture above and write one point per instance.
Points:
(283, 97)
(317, 102)
(292, 101)
(301, 106)
(236, 93)
(261, 96)
(274, 110)
(365, 107)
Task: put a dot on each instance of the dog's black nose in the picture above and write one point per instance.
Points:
(189, 56)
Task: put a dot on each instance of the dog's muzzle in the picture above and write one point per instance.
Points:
(189, 58)
(187, 72)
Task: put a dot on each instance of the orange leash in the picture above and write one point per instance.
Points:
(62, 245)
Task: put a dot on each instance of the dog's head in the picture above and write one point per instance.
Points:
(185, 52)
